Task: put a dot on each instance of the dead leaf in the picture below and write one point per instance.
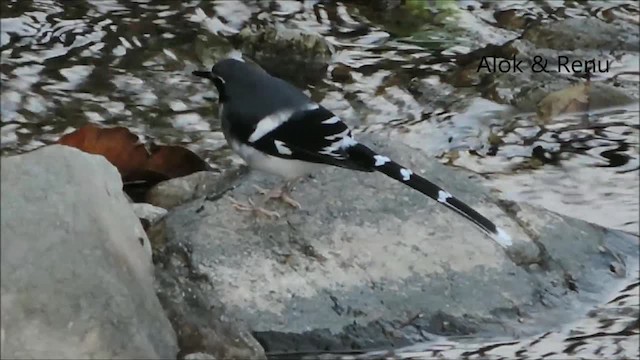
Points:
(118, 145)
(572, 99)
(139, 168)
(174, 161)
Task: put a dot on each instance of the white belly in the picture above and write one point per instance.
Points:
(288, 169)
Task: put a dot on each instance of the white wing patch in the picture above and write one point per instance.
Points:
(331, 120)
(406, 174)
(345, 141)
(311, 106)
(271, 122)
(338, 135)
(282, 148)
(381, 160)
(443, 196)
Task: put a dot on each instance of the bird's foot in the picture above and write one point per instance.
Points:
(281, 194)
(251, 206)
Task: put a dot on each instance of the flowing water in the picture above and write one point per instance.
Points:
(128, 63)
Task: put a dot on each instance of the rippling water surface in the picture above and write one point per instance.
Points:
(128, 63)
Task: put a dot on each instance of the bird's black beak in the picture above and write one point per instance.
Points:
(203, 74)
(217, 81)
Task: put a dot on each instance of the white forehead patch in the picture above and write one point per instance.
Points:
(381, 160)
(282, 148)
(235, 54)
(443, 196)
(406, 174)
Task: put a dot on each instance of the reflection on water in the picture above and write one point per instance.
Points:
(65, 63)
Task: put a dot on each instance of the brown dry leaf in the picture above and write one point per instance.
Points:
(571, 99)
(174, 161)
(118, 145)
(139, 168)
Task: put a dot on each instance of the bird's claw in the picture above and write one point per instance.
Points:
(250, 206)
(279, 194)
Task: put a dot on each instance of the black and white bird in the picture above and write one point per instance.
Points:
(276, 128)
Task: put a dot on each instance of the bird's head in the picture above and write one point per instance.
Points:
(226, 72)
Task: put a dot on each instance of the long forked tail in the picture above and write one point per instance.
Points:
(365, 156)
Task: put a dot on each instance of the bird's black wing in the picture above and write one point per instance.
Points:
(313, 134)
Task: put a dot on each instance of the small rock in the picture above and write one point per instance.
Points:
(148, 214)
(171, 193)
(148, 211)
(295, 55)
(511, 19)
(342, 73)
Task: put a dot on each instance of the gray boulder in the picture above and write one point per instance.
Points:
(76, 266)
(298, 56)
(584, 33)
(526, 92)
(369, 263)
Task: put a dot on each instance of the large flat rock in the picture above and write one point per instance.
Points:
(370, 263)
(76, 264)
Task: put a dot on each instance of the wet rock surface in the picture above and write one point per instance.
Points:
(77, 277)
(572, 34)
(368, 264)
(609, 331)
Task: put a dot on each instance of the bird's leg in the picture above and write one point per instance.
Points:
(282, 193)
(250, 206)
